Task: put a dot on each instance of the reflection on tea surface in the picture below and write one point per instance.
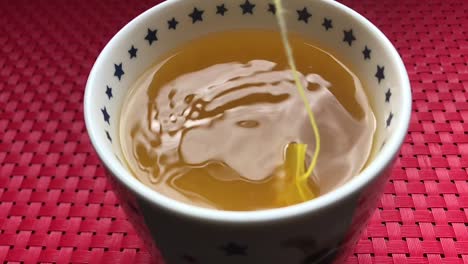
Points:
(211, 123)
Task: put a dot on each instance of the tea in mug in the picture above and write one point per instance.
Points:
(213, 122)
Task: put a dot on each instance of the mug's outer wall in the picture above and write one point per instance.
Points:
(317, 238)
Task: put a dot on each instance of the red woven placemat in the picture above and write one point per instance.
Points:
(57, 206)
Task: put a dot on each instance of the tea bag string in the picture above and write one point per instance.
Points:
(301, 180)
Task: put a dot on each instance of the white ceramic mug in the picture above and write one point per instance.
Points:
(322, 230)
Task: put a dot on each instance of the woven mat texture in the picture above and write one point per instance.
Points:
(56, 205)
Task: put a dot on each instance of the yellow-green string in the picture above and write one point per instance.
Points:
(301, 177)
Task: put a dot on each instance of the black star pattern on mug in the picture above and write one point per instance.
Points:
(272, 9)
(367, 53)
(247, 7)
(108, 136)
(388, 96)
(234, 249)
(196, 15)
(172, 24)
(221, 9)
(303, 15)
(133, 52)
(118, 71)
(151, 36)
(327, 24)
(380, 75)
(349, 37)
(109, 92)
(106, 115)
(389, 119)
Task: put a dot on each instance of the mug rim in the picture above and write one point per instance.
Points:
(371, 172)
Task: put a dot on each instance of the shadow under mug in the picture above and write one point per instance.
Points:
(323, 230)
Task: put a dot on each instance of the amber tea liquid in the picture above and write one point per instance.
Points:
(209, 124)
